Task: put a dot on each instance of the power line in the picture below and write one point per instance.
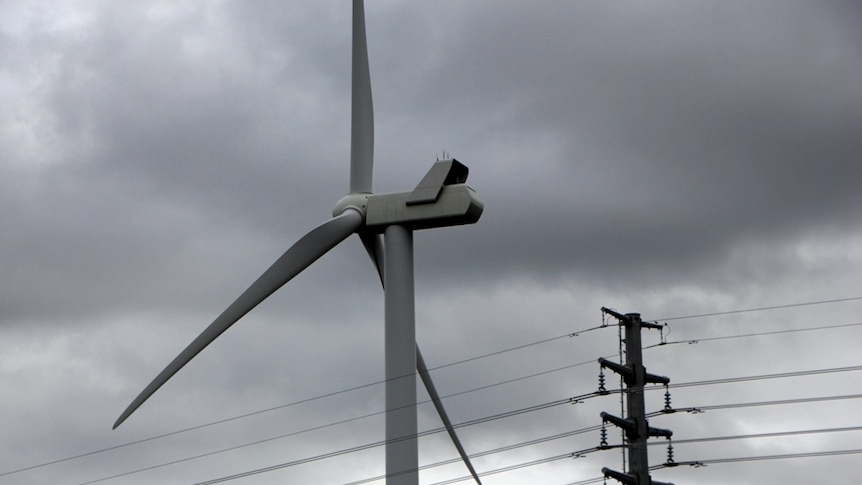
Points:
(700, 463)
(575, 432)
(337, 423)
(495, 417)
(470, 359)
(539, 407)
(587, 482)
(502, 449)
(699, 409)
(508, 414)
(519, 347)
(779, 375)
(541, 461)
(545, 406)
(305, 401)
(757, 334)
(718, 406)
(775, 434)
(729, 380)
(705, 462)
(760, 309)
(812, 454)
(522, 378)
(568, 335)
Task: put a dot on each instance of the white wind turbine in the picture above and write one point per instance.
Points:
(440, 199)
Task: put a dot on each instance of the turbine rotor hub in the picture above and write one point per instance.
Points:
(357, 201)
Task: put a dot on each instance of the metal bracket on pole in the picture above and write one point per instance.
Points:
(655, 379)
(659, 432)
(631, 428)
(619, 316)
(628, 373)
(627, 319)
(627, 425)
(620, 477)
(626, 478)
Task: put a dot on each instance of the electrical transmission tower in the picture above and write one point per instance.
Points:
(637, 429)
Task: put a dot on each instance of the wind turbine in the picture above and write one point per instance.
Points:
(385, 224)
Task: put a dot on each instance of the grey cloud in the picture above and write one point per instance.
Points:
(671, 159)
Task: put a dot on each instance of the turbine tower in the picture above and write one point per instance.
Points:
(385, 224)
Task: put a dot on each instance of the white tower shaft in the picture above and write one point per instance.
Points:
(402, 456)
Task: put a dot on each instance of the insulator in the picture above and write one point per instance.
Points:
(669, 452)
(602, 389)
(667, 406)
(603, 443)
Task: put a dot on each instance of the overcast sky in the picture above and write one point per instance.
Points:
(665, 158)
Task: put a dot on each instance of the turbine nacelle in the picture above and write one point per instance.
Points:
(441, 199)
(455, 205)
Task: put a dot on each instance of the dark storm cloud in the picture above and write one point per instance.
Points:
(152, 119)
(670, 158)
(673, 132)
(666, 134)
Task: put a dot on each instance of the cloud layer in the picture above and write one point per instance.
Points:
(670, 159)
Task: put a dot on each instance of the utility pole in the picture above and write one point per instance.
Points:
(636, 427)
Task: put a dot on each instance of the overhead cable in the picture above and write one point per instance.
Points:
(812, 454)
(760, 309)
(381, 443)
(774, 434)
(481, 420)
(575, 432)
(345, 421)
(541, 461)
(779, 375)
(803, 400)
(345, 451)
(757, 334)
(302, 401)
(480, 454)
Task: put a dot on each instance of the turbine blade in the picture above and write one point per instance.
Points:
(304, 252)
(373, 243)
(435, 398)
(361, 110)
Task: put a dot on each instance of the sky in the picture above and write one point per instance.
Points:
(694, 162)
